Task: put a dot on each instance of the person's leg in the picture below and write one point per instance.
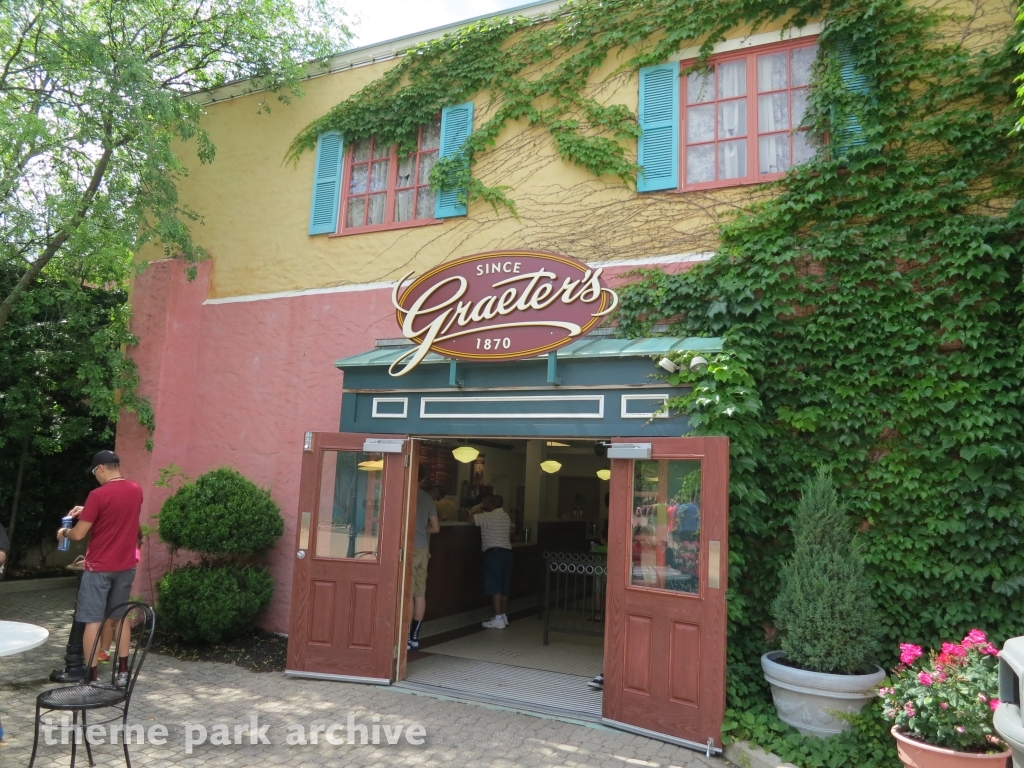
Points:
(120, 592)
(496, 601)
(419, 608)
(106, 635)
(420, 561)
(504, 604)
(88, 638)
(91, 610)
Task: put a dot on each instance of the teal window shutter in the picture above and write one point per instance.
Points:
(658, 151)
(323, 210)
(850, 134)
(456, 125)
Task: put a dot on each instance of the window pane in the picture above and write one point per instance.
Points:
(380, 150)
(732, 79)
(376, 212)
(361, 150)
(379, 177)
(348, 516)
(431, 136)
(356, 211)
(427, 162)
(773, 112)
(771, 72)
(803, 149)
(802, 61)
(406, 168)
(732, 118)
(424, 203)
(404, 204)
(700, 164)
(357, 183)
(732, 159)
(700, 86)
(799, 106)
(700, 123)
(773, 153)
(666, 525)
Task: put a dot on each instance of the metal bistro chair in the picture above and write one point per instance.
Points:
(84, 697)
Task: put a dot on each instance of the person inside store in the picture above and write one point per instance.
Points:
(447, 511)
(426, 524)
(496, 531)
(110, 518)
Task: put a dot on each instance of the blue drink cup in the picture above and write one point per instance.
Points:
(65, 544)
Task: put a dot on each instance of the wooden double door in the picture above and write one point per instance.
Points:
(667, 570)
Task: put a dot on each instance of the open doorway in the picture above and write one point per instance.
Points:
(556, 494)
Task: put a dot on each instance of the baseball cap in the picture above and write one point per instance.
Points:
(103, 457)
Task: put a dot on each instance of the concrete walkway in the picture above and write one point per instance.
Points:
(187, 698)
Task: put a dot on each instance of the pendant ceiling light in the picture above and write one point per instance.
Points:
(550, 466)
(604, 474)
(372, 466)
(465, 453)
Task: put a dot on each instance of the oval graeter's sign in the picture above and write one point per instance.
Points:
(502, 305)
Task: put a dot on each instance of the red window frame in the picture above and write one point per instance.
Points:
(390, 192)
(753, 132)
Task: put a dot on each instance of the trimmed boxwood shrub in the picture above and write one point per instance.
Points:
(204, 603)
(221, 514)
(227, 520)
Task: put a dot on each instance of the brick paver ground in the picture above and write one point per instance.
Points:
(177, 693)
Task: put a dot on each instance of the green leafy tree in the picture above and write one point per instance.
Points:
(824, 606)
(92, 100)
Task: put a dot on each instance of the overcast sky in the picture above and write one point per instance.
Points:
(375, 20)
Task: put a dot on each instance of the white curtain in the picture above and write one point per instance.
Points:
(732, 118)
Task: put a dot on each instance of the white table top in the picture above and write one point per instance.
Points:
(17, 636)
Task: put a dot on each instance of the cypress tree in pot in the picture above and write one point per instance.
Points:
(827, 618)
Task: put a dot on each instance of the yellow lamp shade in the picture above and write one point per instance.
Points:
(604, 474)
(465, 453)
(372, 466)
(550, 466)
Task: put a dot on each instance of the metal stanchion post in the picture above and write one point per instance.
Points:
(74, 653)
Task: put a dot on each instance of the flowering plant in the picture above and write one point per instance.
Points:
(947, 699)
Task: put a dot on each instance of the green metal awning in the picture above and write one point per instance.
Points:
(588, 348)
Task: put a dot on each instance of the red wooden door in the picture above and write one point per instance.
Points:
(667, 568)
(347, 550)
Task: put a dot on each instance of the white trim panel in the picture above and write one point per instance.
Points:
(405, 408)
(705, 748)
(599, 414)
(675, 258)
(752, 41)
(654, 414)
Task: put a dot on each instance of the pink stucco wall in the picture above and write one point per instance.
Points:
(238, 385)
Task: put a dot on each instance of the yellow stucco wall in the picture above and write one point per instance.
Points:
(255, 208)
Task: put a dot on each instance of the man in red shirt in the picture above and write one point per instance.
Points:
(111, 514)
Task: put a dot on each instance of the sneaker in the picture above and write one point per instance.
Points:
(121, 681)
(504, 619)
(495, 623)
(412, 645)
(597, 683)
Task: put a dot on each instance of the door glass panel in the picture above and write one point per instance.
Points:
(666, 525)
(351, 497)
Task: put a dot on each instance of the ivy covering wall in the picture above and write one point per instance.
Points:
(871, 309)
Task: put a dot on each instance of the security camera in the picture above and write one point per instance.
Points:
(601, 449)
(668, 365)
(697, 363)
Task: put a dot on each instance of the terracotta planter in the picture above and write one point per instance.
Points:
(917, 754)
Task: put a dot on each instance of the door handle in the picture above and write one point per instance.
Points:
(714, 564)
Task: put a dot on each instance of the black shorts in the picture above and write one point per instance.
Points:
(497, 571)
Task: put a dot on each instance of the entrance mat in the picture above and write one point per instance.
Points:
(521, 644)
(503, 685)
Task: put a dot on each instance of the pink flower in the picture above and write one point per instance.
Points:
(960, 729)
(975, 637)
(908, 707)
(910, 652)
(924, 678)
(990, 649)
(943, 705)
(954, 650)
(993, 703)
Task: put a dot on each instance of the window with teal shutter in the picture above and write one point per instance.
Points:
(323, 210)
(658, 150)
(456, 125)
(850, 134)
